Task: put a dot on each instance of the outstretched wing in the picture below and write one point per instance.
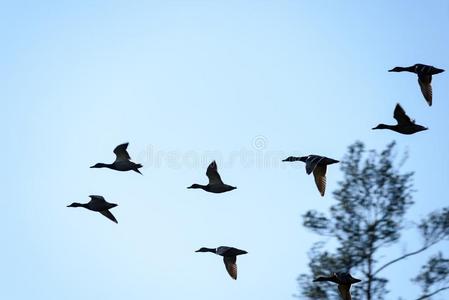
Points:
(108, 215)
(121, 153)
(344, 291)
(97, 198)
(320, 178)
(98, 203)
(231, 265)
(401, 116)
(426, 87)
(311, 162)
(212, 174)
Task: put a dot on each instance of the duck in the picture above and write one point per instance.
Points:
(215, 184)
(316, 164)
(99, 204)
(122, 161)
(405, 125)
(424, 73)
(229, 257)
(344, 281)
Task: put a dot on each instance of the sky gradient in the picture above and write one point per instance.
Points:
(185, 82)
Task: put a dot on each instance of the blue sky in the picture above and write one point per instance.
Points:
(245, 83)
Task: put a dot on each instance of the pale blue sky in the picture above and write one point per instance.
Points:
(186, 82)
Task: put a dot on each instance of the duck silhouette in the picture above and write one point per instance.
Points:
(316, 164)
(229, 257)
(215, 184)
(404, 125)
(98, 204)
(122, 161)
(424, 73)
(344, 281)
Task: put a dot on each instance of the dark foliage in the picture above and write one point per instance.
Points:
(371, 203)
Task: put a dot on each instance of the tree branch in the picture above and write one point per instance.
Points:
(402, 257)
(433, 293)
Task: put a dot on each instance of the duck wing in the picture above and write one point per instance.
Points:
(121, 153)
(108, 215)
(97, 198)
(212, 174)
(401, 116)
(231, 266)
(344, 291)
(320, 178)
(311, 162)
(426, 88)
(98, 203)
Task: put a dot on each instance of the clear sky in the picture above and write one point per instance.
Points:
(244, 82)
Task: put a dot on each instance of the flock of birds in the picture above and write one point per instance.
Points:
(315, 164)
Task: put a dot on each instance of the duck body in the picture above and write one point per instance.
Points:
(126, 165)
(424, 73)
(229, 255)
(215, 184)
(344, 281)
(122, 162)
(405, 125)
(339, 278)
(418, 69)
(316, 164)
(407, 130)
(98, 204)
(213, 188)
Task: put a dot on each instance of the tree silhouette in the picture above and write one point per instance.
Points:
(369, 215)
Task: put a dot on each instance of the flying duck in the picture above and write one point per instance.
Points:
(122, 161)
(229, 257)
(318, 165)
(424, 73)
(98, 204)
(344, 281)
(215, 184)
(405, 125)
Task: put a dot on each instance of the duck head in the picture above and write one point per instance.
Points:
(204, 249)
(396, 69)
(75, 204)
(402, 69)
(293, 158)
(196, 186)
(100, 165)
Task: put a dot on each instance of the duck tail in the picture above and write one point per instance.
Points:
(138, 166)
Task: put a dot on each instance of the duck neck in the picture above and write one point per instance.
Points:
(102, 165)
(213, 250)
(385, 126)
(76, 204)
(406, 69)
(198, 186)
(303, 158)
